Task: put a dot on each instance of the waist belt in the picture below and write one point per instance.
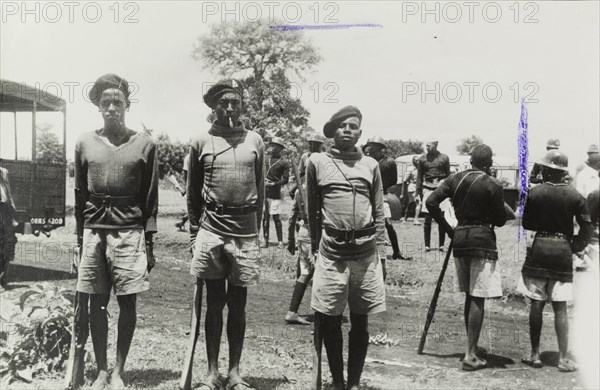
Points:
(475, 222)
(551, 234)
(100, 200)
(221, 209)
(349, 234)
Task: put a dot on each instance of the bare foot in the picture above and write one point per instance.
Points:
(116, 382)
(102, 381)
(293, 318)
(212, 380)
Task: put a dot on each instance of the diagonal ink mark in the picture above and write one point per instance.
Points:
(291, 27)
(523, 152)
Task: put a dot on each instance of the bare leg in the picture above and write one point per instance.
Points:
(215, 302)
(476, 312)
(278, 228)
(561, 326)
(535, 327)
(99, 330)
(126, 328)
(236, 328)
(427, 230)
(299, 290)
(186, 373)
(266, 224)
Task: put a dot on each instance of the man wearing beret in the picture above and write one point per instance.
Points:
(116, 202)
(225, 190)
(536, 172)
(278, 174)
(432, 168)
(346, 225)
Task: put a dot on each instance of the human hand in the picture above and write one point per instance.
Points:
(150, 255)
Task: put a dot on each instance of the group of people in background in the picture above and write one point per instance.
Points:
(338, 227)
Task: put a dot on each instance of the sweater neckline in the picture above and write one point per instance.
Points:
(223, 131)
(354, 154)
(104, 140)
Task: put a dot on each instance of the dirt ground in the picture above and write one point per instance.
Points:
(278, 356)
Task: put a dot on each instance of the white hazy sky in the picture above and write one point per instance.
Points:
(558, 54)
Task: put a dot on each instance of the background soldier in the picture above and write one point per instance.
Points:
(432, 167)
(116, 220)
(536, 172)
(547, 273)
(315, 145)
(184, 175)
(389, 177)
(8, 238)
(586, 178)
(225, 192)
(478, 201)
(278, 174)
(345, 202)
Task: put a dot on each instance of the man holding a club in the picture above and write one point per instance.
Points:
(478, 201)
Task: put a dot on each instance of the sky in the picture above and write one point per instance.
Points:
(443, 70)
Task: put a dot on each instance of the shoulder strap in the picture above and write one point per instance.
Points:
(480, 175)
(353, 192)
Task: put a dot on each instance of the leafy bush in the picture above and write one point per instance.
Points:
(40, 343)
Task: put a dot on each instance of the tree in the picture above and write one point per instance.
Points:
(396, 148)
(264, 59)
(466, 144)
(170, 155)
(48, 150)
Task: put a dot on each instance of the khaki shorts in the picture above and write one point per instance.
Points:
(478, 277)
(358, 283)
(113, 257)
(274, 206)
(233, 258)
(543, 289)
(387, 213)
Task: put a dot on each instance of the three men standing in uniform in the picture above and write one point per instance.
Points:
(432, 168)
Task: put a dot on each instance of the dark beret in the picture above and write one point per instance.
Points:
(222, 87)
(105, 82)
(339, 117)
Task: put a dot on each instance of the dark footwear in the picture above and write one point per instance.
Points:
(238, 385)
(208, 385)
(535, 363)
(474, 364)
(567, 366)
(427, 249)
